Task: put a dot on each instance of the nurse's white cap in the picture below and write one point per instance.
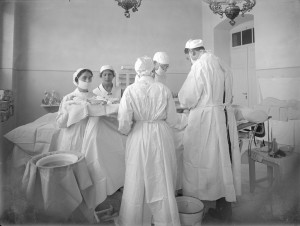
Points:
(144, 66)
(76, 74)
(161, 57)
(107, 67)
(192, 44)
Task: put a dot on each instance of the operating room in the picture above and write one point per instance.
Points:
(45, 43)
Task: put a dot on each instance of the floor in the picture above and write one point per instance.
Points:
(262, 207)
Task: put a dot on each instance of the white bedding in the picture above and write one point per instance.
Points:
(35, 137)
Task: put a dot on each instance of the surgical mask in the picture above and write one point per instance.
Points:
(193, 61)
(160, 71)
(84, 85)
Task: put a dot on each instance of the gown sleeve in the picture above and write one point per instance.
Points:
(62, 114)
(172, 117)
(192, 88)
(125, 114)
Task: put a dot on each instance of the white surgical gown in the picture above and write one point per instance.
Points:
(114, 94)
(146, 112)
(208, 173)
(70, 138)
(161, 78)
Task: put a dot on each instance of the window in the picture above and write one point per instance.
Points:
(243, 37)
(236, 39)
(247, 36)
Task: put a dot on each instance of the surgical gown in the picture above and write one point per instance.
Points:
(209, 173)
(146, 112)
(114, 94)
(70, 138)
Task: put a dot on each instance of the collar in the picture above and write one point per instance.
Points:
(146, 78)
(101, 88)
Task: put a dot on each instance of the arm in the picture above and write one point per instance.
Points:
(192, 88)
(172, 117)
(62, 114)
(125, 114)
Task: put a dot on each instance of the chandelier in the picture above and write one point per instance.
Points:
(129, 4)
(230, 7)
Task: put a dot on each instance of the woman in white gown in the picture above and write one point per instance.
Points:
(107, 90)
(70, 138)
(103, 145)
(146, 113)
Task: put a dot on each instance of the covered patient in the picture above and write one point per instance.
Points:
(146, 113)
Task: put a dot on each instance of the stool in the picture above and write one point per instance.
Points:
(275, 166)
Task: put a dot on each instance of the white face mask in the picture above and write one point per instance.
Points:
(160, 71)
(84, 85)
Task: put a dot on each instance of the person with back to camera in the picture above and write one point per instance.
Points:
(211, 157)
(107, 90)
(161, 64)
(146, 112)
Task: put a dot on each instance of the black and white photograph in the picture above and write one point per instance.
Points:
(149, 112)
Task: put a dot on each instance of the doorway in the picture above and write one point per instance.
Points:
(242, 64)
(236, 46)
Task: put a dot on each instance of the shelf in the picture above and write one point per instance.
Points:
(49, 106)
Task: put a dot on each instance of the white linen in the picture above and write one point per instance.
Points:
(104, 150)
(35, 137)
(146, 112)
(207, 169)
(61, 190)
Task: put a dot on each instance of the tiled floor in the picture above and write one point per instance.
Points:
(263, 207)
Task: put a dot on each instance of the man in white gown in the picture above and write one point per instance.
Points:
(211, 157)
(146, 112)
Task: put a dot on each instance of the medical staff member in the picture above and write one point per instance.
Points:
(107, 89)
(146, 112)
(73, 135)
(161, 64)
(211, 157)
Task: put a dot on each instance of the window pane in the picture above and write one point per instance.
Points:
(253, 36)
(246, 36)
(236, 39)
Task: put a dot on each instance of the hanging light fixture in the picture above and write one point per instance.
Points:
(129, 4)
(231, 8)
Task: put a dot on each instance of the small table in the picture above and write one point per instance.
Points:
(60, 191)
(276, 167)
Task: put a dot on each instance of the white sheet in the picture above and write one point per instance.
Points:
(35, 137)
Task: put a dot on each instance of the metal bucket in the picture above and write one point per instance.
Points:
(190, 210)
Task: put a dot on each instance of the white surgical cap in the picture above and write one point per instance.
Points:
(161, 57)
(76, 74)
(107, 67)
(192, 44)
(144, 66)
(187, 44)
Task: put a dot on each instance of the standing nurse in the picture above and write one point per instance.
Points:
(211, 158)
(146, 112)
(161, 64)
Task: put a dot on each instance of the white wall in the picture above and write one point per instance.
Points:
(278, 48)
(54, 38)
